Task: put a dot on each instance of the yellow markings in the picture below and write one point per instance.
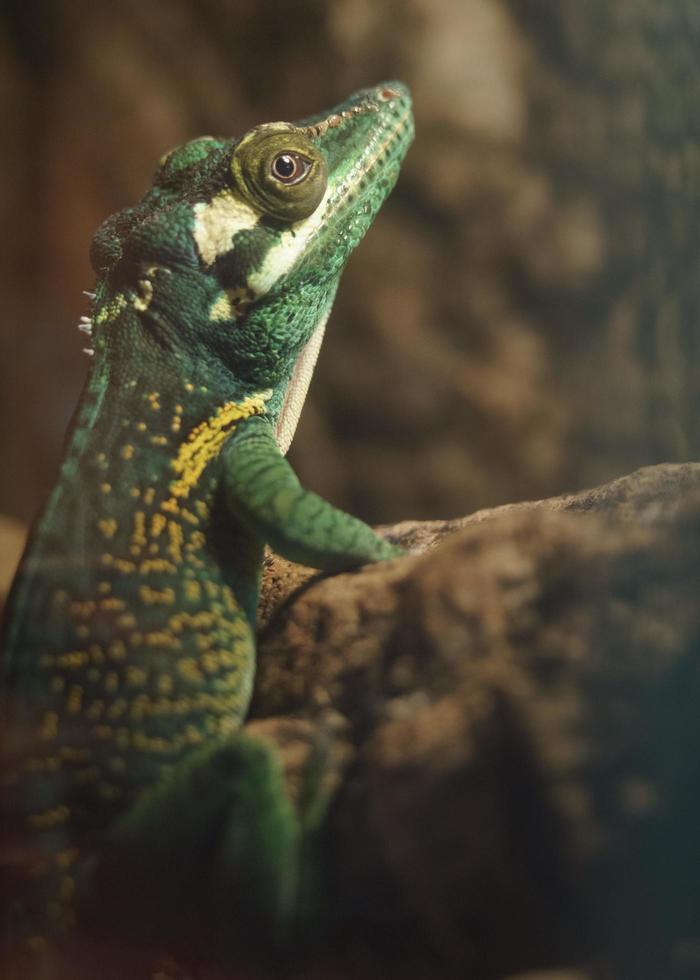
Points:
(117, 709)
(127, 451)
(188, 516)
(162, 638)
(229, 598)
(106, 559)
(111, 683)
(228, 658)
(231, 303)
(72, 659)
(135, 676)
(176, 538)
(206, 440)
(201, 508)
(221, 308)
(189, 669)
(95, 710)
(104, 587)
(141, 426)
(108, 526)
(127, 620)
(143, 300)
(82, 632)
(210, 664)
(110, 311)
(106, 487)
(64, 859)
(157, 565)
(158, 525)
(154, 597)
(122, 565)
(75, 700)
(135, 492)
(170, 506)
(159, 440)
(138, 536)
(193, 736)
(116, 650)
(193, 590)
(148, 496)
(152, 397)
(165, 684)
(60, 597)
(103, 732)
(196, 541)
(83, 609)
(227, 726)
(58, 685)
(189, 386)
(50, 818)
(97, 654)
(111, 604)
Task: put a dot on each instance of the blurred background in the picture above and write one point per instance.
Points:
(519, 322)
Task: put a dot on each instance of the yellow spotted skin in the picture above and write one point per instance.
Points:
(146, 650)
(129, 790)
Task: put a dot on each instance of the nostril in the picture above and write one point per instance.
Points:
(388, 93)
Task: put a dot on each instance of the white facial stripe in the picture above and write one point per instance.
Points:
(217, 221)
(282, 256)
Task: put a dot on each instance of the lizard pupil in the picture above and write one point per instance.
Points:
(290, 168)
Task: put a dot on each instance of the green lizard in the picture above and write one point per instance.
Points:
(129, 641)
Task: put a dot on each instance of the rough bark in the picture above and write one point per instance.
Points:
(514, 713)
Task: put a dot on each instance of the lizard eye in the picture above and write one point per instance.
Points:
(290, 168)
(280, 171)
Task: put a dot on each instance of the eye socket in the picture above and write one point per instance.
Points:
(290, 168)
(280, 171)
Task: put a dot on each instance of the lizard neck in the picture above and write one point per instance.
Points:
(141, 463)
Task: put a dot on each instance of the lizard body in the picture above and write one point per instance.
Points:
(128, 651)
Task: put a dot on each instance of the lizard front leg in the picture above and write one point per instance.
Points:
(262, 489)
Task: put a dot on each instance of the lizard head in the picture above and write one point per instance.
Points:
(233, 256)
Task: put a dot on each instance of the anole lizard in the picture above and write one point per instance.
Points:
(128, 650)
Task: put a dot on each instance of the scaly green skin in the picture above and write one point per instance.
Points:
(129, 642)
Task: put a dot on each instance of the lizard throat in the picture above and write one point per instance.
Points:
(299, 382)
